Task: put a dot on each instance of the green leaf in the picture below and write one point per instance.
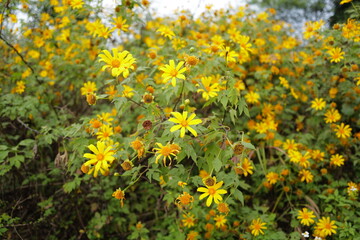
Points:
(248, 145)
(239, 195)
(26, 142)
(233, 115)
(16, 160)
(70, 186)
(217, 164)
(3, 155)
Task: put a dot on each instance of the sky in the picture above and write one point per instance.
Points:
(196, 7)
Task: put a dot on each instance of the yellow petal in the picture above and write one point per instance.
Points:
(209, 201)
(175, 128)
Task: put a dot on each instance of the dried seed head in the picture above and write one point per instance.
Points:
(127, 165)
(238, 149)
(147, 125)
(209, 181)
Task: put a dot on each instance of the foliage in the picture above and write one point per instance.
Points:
(125, 125)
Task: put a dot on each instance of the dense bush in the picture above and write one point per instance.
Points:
(122, 125)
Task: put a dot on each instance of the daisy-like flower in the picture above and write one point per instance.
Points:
(337, 160)
(166, 32)
(184, 199)
(252, 97)
(230, 56)
(120, 24)
(336, 54)
(101, 159)
(188, 220)
(326, 227)
(172, 72)
(244, 167)
(343, 131)
(272, 177)
(209, 90)
(119, 194)
(318, 104)
(166, 151)
(119, 64)
(104, 133)
(257, 227)
(306, 175)
(212, 192)
(89, 87)
(220, 221)
(184, 123)
(332, 115)
(306, 217)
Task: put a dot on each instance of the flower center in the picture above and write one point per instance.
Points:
(100, 156)
(115, 63)
(165, 151)
(257, 226)
(328, 226)
(184, 123)
(212, 191)
(174, 73)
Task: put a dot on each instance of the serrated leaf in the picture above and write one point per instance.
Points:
(16, 160)
(217, 164)
(233, 115)
(248, 145)
(239, 196)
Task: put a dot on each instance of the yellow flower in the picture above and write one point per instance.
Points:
(76, 4)
(120, 24)
(209, 90)
(345, 1)
(119, 64)
(284, 82)
(101, 159)
(332, 115)
(252, 97)
(318, 104)
(213, 192)
(245, 167)
(337, 160)
(189, 220)
(290, 144)
(172, 72)
(256, 227)
(326, 227)
(306, 175)
(166, 151)
(184, 123)
(104, 133)
(166, 31)
(343, 131)
(306, 216)
(220, 221)
(229, 55)
(89, 87)
(138, 146)
(119, 194)
(184, 199)
(128, 92)
(272, 177)
(192, 235)
(336, 54)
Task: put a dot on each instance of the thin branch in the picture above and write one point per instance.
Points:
(27, 126)
(21, 56)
